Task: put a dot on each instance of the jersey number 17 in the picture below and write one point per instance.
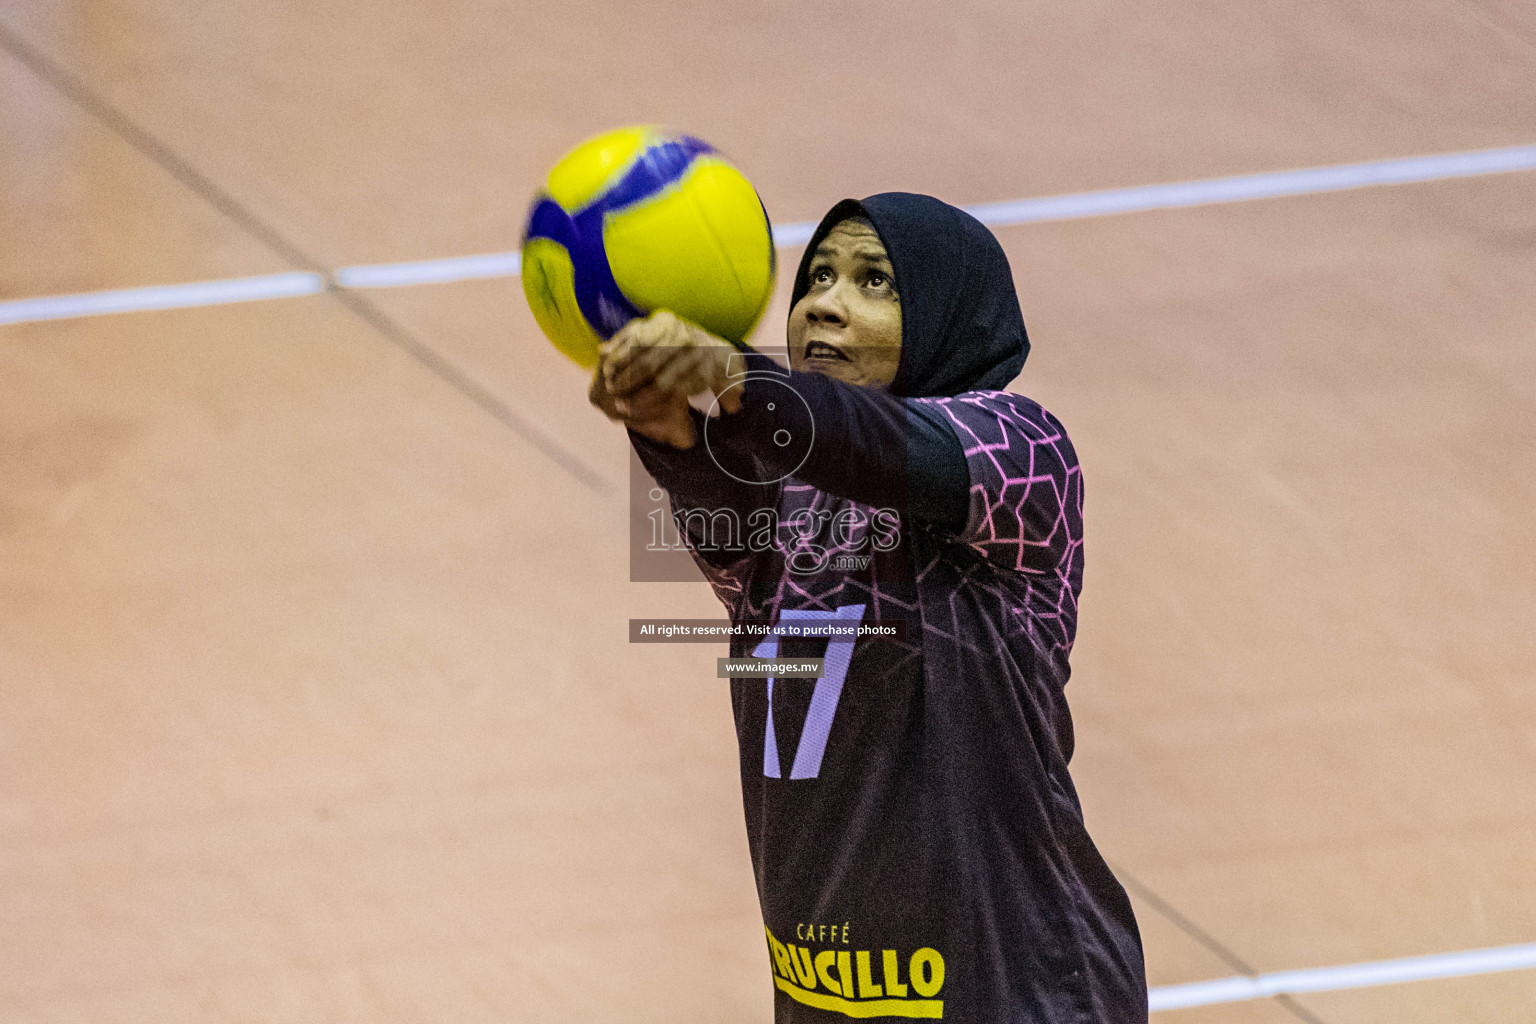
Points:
(824, 699)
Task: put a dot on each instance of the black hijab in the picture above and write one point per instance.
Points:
(961, 327)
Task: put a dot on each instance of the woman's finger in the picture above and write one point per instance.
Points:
(642, 369)
(629, 343)
(650, 403)
(601, 398)
(689, 372)
(615, 353)
(651, 345)
(726, 391)
(674, 428)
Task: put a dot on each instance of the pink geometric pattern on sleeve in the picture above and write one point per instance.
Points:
(1026, 515)
(1026, 485)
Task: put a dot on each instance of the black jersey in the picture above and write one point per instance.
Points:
(917, 842)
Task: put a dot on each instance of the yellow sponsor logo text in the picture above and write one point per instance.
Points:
(844, 981)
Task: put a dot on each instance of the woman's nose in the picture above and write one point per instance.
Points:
(828, 306)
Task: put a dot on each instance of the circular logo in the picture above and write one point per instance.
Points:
(788, 445)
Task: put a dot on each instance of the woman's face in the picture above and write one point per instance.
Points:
(848, 325)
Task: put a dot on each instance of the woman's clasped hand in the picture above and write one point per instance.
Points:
(647, 372)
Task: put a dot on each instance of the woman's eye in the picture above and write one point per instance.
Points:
(878, 280)
(821, 275)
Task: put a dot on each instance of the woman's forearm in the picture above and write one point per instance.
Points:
(694, 480)
(865, 444)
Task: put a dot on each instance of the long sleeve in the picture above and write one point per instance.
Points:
(1026, 494)
(864, 444)
(701, 491)
(694, 480)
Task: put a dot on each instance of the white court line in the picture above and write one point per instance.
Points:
(458, 268)
(169, 296)
(1307, 181)
(1075, 206)
(1210, 191)
(1332, 979)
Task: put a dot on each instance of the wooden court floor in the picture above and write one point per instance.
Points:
(315, 700)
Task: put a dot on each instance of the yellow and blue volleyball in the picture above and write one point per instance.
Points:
(641, 219)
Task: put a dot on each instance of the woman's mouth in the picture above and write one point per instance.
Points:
(821, 350)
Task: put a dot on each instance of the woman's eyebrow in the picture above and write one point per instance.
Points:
(828, 252)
